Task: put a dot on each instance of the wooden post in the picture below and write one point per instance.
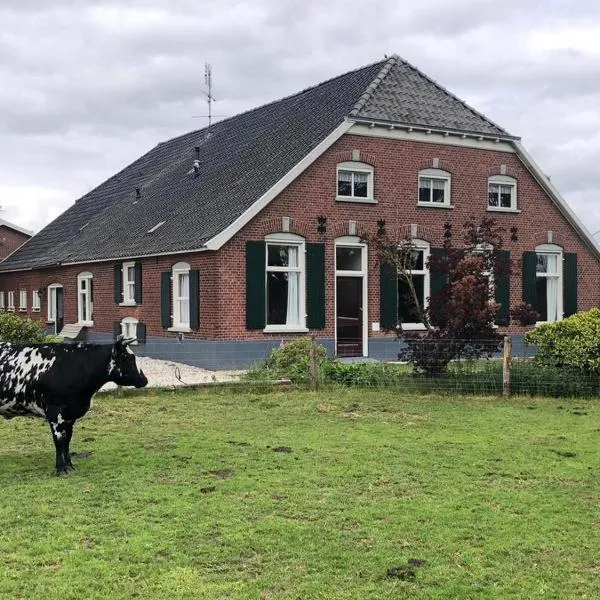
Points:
(312, 373)
(506, 366)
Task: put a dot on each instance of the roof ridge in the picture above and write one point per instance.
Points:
(449, 93)
(261, 106)
(374, 85)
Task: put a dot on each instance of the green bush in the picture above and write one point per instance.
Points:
(291, 361)
(572, 344)
(14, 328)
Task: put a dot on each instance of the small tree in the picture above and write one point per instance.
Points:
(459, 319)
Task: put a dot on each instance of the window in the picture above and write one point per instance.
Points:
(36, 301)
(129, 283)
(11, 301)
(285, 283)
(2, 305)
(129, 328)
(354, 181)
(23, 300)
(52, 291)
(548, 283)
(502, 193)
(85, 298)
(408, 314)
(181, 295)
(434, 187)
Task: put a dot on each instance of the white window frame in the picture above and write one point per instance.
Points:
(288, 239)
(425, 246)
(85, 299)
(127, 325)
(22, 300)
(2, 301)
(553, 250)
(436, 175)
(355, 167)
(11, 301)
(179, 324)
(52, 305)
(36, 301)
(128, 299)
(507, 181)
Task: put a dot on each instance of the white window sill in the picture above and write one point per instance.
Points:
(22, 309)
(128, 303)
(35, 310)
(180, 329)
(504, 210)
(285, 329)
(413, 327)
(355, 199)
(86, 323)
(51, 321)
(10, 309)
(435, 205)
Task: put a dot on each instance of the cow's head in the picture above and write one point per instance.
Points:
(122, 368)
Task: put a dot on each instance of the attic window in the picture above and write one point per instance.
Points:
(354, 182)
(156, 227)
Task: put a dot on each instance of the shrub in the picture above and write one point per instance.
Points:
(573, 343)
(14, 328)
(291, 360)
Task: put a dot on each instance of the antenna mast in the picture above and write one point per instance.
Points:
(209, 96)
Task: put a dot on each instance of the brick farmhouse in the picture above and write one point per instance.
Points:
(217, 244)
(11, 237)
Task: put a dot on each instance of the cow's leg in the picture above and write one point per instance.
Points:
(68, 436)
(61, 434)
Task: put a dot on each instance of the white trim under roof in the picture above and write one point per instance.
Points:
(221, 238)
(555, 196)
(16, 228)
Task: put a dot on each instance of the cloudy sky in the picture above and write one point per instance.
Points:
(88, 86)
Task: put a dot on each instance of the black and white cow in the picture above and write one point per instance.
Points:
(57, 381)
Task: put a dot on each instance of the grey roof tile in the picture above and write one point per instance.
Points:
(241, 158)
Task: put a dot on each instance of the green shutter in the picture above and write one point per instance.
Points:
(529, 279)
(118, 277)
(315, 286)
(137, 291)
(165, 299)
(388, 296)
(255, 285)
(194, 299)
(140, 333)
(569, 285)
(116, 329)
(437, 278)
(502, 291)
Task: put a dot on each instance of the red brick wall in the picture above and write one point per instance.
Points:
(10, 240)
(396, 164)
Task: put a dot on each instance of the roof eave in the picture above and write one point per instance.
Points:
(556, 197)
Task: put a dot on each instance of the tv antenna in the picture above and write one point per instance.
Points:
(209, 95)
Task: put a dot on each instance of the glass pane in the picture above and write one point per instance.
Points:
(439, 187)
(279, 256)
(424, 190)
(417, 260)
(552, 263)
(344, 183)
(277, 298)
(130, 274)
(542, 263)
(493, 195)
(184, 285)
(360, 184)
(184, 310)
(505, 196)
(407, 311)
(542, 298)
(348, 259)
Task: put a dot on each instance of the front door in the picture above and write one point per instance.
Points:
(59, 311)
(349, 317)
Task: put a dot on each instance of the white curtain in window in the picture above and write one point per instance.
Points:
(293, 307)
(184, 297)
(552, 287)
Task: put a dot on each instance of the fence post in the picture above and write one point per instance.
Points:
(506, 366)
(312, 372)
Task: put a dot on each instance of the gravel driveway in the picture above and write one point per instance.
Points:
(164, 373)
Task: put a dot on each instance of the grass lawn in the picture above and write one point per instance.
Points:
(332, 494)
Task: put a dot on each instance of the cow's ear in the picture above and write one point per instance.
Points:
(129, 341)
(120, 338)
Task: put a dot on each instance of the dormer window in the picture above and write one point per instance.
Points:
(502, 193)
(434, 188)
(354, 182)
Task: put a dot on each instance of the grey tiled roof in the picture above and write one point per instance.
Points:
(241, 158)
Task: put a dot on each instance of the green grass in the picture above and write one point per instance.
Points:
(184, 496)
